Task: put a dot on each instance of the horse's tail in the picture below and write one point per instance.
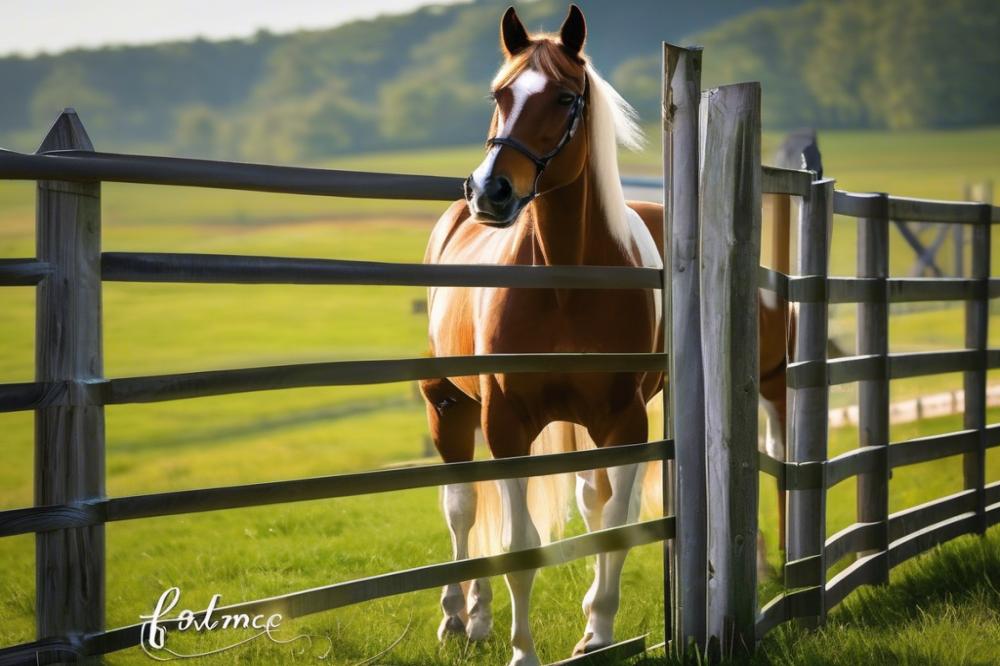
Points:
(652, 481)
(548, 496)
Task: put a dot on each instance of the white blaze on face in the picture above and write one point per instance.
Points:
(528, 83)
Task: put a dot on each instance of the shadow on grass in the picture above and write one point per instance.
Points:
(940, 608)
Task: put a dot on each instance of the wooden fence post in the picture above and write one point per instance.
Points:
(873, 394)
(69, 438)
(982, 192)
(977, 316)
(730, 192)
(808, 431)
(688, 563)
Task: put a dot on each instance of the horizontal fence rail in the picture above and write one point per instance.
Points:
(218, 268)
(869, 205)
(338, 595)
(156, 388)
(817, 289)
(91, 166)
(88, 166)
(43, 518)
(23, 272)
(883, 541)
(828, 473)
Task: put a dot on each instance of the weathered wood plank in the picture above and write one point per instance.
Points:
(786, 606)
(863, 460)
(69, 439)
(22, 272)
(22, 521)
(778, 180)
(338, 595)
(32, 395)
(89, 167)
(858, 204)
(854, 538)
(350, 373)
(686, 405)
(868, 570)
(933, 447)
(217, 269)
(941, 212)
(810, 406)
(914, 519)
(730, 192)
(915, 543)
(873, 393)
(993, 492)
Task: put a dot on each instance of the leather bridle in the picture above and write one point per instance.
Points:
(542, 161)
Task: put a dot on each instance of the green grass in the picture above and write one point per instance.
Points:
(250, 553)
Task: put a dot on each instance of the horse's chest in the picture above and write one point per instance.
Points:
(534, 320)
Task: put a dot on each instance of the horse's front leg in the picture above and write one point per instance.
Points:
(453, 418)
(602, 599)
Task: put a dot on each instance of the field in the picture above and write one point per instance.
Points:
(251, 553)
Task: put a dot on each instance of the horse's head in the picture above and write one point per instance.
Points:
(534, 145)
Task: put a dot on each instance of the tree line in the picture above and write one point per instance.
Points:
(420, 79)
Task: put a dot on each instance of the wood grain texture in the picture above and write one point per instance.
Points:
(854, 538)
(686, 400)
(809, 407)
(155, 388)
(914, 519)
(81, 165)
(730, 192)
(22, 272)
(69, 439)
(232, 269)
(873, 391)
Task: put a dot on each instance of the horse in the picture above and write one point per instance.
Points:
(548, 192)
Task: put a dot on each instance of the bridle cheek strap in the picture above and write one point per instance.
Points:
(542, 161)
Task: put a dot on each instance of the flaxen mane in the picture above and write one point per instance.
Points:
(609, 119)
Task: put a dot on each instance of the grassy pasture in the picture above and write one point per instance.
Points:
(243, 438)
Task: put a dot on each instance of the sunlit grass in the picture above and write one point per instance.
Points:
(249, 553)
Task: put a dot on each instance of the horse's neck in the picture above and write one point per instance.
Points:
(570, 228)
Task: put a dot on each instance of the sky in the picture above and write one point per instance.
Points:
(29, 27)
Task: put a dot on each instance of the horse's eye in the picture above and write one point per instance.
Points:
(566, 98)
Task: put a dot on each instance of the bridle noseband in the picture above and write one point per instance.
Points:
(542, 161)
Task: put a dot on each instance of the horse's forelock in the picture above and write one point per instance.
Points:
(546, 56)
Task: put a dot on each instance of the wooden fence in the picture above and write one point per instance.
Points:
(713, 192)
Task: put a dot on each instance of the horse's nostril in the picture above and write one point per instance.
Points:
(498, 190)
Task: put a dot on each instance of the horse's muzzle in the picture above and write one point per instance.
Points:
(494, 203)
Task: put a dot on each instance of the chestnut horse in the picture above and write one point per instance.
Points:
(547, 193)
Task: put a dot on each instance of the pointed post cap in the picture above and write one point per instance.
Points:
(67, 133)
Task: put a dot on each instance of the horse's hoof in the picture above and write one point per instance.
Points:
(450, 624)
(588, 644)
(524, 659)
(479, 628)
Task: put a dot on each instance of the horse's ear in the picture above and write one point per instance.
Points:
(513, 37)
(574, 31)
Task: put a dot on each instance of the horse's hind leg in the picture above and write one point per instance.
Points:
(603, 598)
(592, 492)
(507, 435)
(453, 418)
